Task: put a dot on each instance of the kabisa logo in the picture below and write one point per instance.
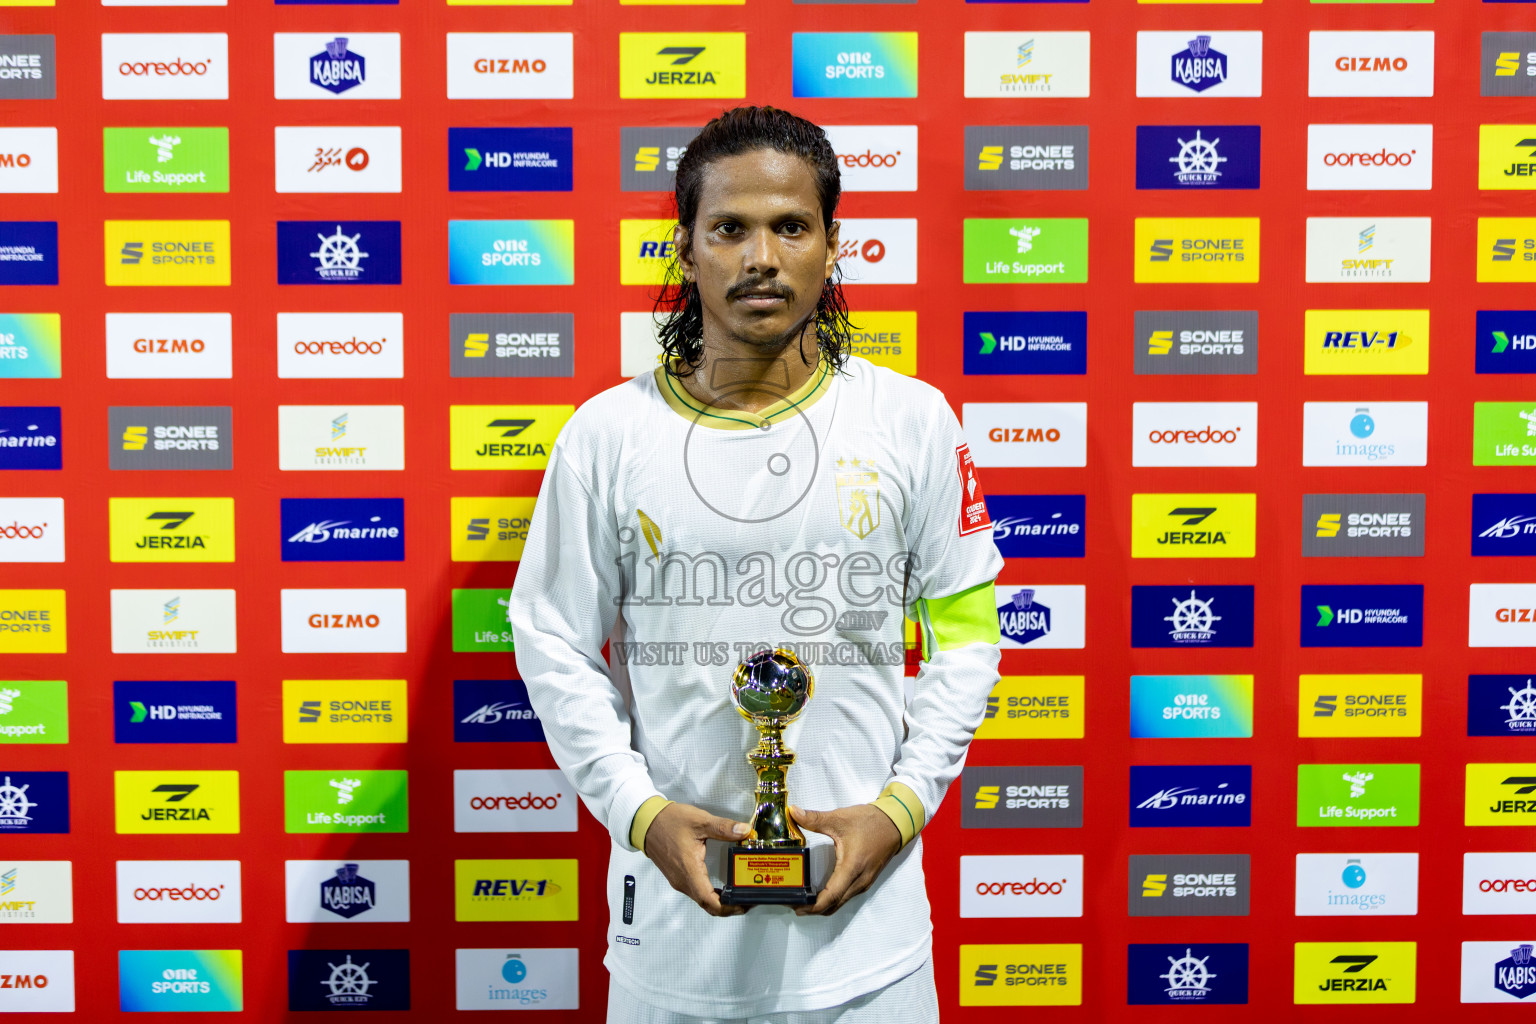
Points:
(338, 252)
(509, 159)
(343, 529)
(1193, 525)
(30, 345)
(1185, 616)
(1022, 620)
(174, 712)
(1188, 885)
(656, 65)
(1197, 157)
(1508, 64)
(1506, 341)
(34, 802)
(349, 979)
(1020, 343)
(1021, 975)
(648, 157)
(1191, 795)
(1211, 973)
(1357, 885)
(1191, 706)
(1351, 795)
(27, 67)
(348, 894)
(1199, 66)
(1050, 617)
(1355, 972)
(177, 803)
(494, 711)
(515, 890)
(1501, 705)
(855, 64)
(1038, 525)
(29, 251)
(336, 69)
(1033, 797)
(1360, 705)
(188, 980)
(1366, 615)
(171, 529)
(170, 437)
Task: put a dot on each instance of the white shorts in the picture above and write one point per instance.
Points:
(912, 1000)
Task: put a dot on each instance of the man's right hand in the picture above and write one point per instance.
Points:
(675, 843)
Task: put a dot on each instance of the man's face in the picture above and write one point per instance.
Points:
(760, 254)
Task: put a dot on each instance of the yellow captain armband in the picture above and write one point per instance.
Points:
(643, 818)
(903, 807)
(968, 617)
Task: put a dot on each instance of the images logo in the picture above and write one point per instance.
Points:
(504, 436)
(1184, 616)
(1193, 525)
(29, 250)
(1371, 64)
(1191, 795)
(34, 711)
(494, 711)
(503, 979)
(509, 159)
(168, 980)
(176, 160)
(1370, 157)
(1342, 972)
(1188, 707)
(1213, 250)
(1020, 343)
(510, 65)
(344, 711)
(1042, 886)
(329, 891)
(1021, 975)
(1197, 157)
(350, 801)
(855, 64)
(1365, 434)
(1508, 64)
(1034, 707)
(648, 157)
(1370, 615)
(165, 66)
(1360, 705)
(511, 252)
(515, 890)
(34, 802)
(27, 68)
(1183, 975)
(1188, 885)
(177, 803)
(1047, 250)
(162, 712)
(338, 252)
(1176, 64)
(1020, 64)
(343, 529)
(1038, 525)
(1041, 618)
(1357, 794)
(1357, 885)
(33, 622)
(353, 979)
(663, 65)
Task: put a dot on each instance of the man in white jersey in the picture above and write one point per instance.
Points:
(761, 488)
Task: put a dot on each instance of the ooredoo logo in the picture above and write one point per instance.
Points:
(1498, 883)
(31, 529)
(1375, 157)
(340, 345)
(512, 801)
(875, 158)
(1027, 886)
(1194, 433)
(165, 66)
(526, 802)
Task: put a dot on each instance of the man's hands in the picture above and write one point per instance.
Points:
(675, 843)
(864, 838)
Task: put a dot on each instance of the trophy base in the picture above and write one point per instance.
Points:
(777, 875)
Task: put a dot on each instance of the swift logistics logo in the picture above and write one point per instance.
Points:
(1021, 975)
(1209, 973)
(1028, 886)
(177, 802)
(515, 890)
(1041, 618)
(347, 437)
(34, 711)
(35, 531)
(1188, 885)
(170, 346)
(855, 64)
(1371, 64)
(509, 252)
(504, 436)
(1364, 433)
(1506, 341)
(1370, 157)
(1036, 158)
(1506, 249)
(1508, 64)
(29, 160)
(1192, 616)
(1342, 250)
(1191, 157)
(171, 529)
(349, 979)
(494, 711)
(174, 712)
(1016, 343)
(1197, 341)
(1190, 707)
(319, 891)
(349, 801)
(165, 160)
(1504, 433)
(1034, 250)
(1034, 707)
(672, 65)
(157, 437)
(509, 159)
(1032, 797)
(1193, 525)
(1503, 524)
(1497, 705)
(33, 622)
(34, 802)
(342, 529)
(326, 66)
(344, 621)
(1203, 250)
(1360, 705)
(36, 892)
(180, 980)
(1355, 972)
(1181, 64)
(1500, 794)
(344, 711)
(512, 344)
(1191, 796)
(511, 65)
(338, 252)
(1019, 65)
(1506, 156)
(1353, 795)
(30, 346)
(29, 251)
(480, 620)
(173, 621)
(489, 529)
(1357, 884)
(1038, 525)
(1362, 525)
(1362, 615)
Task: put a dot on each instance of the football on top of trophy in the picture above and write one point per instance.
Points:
(772, 686)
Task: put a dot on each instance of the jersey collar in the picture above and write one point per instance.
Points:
(691, 409)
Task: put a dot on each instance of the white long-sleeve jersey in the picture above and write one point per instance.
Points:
(692, 536)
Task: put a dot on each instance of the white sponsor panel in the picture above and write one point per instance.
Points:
(173, 621)
(337, 158)
(639, 347)
(1194, 433)
(1498, 883)
(1501, 615)
(1503, 971)
(41, 981)
(1346, 250)
(1371, 64)
(165, 3)
(178, 892)
(165, 66)
(508, 800)
(1026, 433)
(344, 621)
(341, 345)
(1364, 433)
(875, 157)
(31, 529)
(1068, 615)
(516, 979)
(1021, 65)
(1370, 157)
(169, 346)
(296, 77)
(878, 250)
(1197, 63)
(511, 66)
(36, 892)
(1024, 886)
(29, 159)
(1357, 884)
(342, 892)
(340, 437)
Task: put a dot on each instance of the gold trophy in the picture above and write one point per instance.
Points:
(772, 865)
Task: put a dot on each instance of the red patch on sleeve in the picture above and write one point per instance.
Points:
(973, 504)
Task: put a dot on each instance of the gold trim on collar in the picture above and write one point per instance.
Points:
(690, 408)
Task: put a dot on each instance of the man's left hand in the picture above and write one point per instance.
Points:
(864, 839)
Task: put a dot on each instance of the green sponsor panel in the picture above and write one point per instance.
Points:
(165, 159)
(349, 800)
(480, 620)
(1504, 434)
(1013, 250)
(1373, 1)
(34, 711)
(1353, 795)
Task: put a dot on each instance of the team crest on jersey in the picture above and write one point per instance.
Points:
(858, 496)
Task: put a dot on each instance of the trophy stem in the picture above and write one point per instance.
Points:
(771, 823)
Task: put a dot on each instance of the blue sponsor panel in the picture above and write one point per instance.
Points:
(1192, 616)
(31, 437)
(1191, 796)
(343, 529)
(349, 979)
(1506, 341)
(509, 159)
(1501, 705)
(1364, 615)
(1194, 157)
(494, 711)
(33, 802)
(1503, 524)
(29, 251)
(1186, 974)
(1038, 525)
(338, 252)
(1018, 343)
(174, 712)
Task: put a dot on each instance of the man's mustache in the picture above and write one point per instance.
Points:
(759, 288)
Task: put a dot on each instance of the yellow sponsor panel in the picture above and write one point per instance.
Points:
(1034, 708)
(1355, 972)
(1193, 525)
(1351, 341)
(504, 436)
(490, 529)
(171, 529)
(664, 65)
(509, 3)
(689, 3)
(1501, 794)
(1197, 250)
(1502, 161)
(344, 711)
(32, 622)
(167, 252)
(177, 802)
(1360, 705)
(514, 890)
(1506, 249)
(1021, 975)
(887, 339)
(645, 250)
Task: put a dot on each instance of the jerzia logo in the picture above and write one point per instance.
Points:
(1335, 972)
(694, 64)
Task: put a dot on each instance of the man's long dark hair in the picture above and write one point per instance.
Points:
(679, 312)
